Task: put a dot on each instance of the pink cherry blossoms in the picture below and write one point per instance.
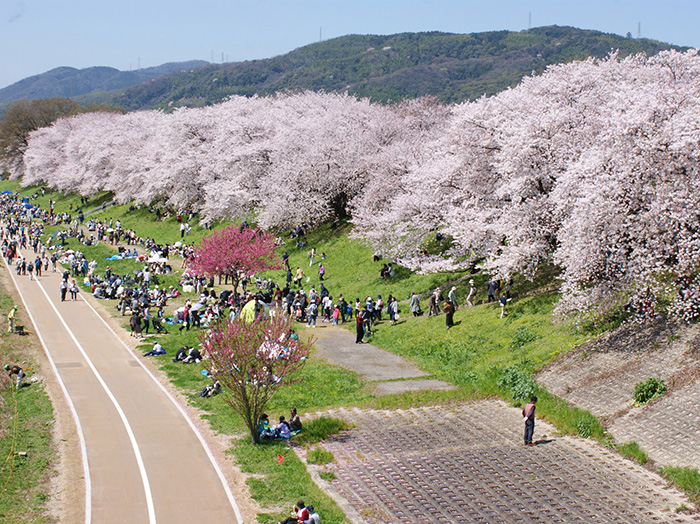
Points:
(592, 166)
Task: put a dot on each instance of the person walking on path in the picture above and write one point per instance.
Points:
(529, 418)
(74, 290)
(63, 288)
(11, 319)
(15, 370)
(415, 304)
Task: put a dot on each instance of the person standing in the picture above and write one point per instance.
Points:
(359, 329)
(63, 288)
(393, 309)
(74, 290)
(449, 310)
(529, 418)
(15, 370)
(472, 292)
(11, 319)
(452, 297)
(312, 256)
(415, 304)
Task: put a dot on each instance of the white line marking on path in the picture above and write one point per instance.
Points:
(122, 415)
(74, 412)
(199, 435)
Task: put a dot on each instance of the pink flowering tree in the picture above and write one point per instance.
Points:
(252, 360)
(234, 251)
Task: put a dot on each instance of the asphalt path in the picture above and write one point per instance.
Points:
(144, 459)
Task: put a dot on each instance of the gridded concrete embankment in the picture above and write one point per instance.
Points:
(602, 381)
(467, 464)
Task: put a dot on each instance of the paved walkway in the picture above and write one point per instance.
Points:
(141, 452)
(601, 378)
(390, 373)
(466, 464)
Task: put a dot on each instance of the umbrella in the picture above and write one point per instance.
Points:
(27, 205)
(248, 311)
(69, 251)
(196, 306)
(5, 192)
(110, 230)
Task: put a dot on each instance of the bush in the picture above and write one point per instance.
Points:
(648, 390)
(518, 382)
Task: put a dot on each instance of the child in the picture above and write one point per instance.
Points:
(336, 315)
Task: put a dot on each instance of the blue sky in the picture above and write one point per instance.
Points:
(39, 35)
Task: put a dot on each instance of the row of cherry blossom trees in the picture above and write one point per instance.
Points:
(592, 165)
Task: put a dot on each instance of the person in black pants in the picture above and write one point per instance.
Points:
(529, 417)
(359, 321)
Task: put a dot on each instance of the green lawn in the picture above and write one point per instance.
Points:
(26, 421)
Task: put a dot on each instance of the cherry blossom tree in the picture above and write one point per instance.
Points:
(251, 361)
(233, 251)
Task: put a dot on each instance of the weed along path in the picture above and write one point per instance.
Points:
(390, 373)
(143, 456)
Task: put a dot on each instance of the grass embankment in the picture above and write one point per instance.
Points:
(26, 419)
(482, 354)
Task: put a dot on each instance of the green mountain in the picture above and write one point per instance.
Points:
(69, 82)
(452, 67)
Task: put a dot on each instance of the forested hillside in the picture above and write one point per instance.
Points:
(452, 67)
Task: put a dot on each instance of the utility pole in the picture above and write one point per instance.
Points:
(320, 34)
(639, 30)
(529, 20)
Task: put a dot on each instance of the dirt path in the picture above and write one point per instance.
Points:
(466, 464)
(145, 457)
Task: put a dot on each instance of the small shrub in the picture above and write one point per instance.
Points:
(633, 451)
(319, 456)
(518, 382)
(648, 390)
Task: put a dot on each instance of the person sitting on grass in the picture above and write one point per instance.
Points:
(299, 514)
(282, 429)
(157, 350)
(265, 432)
(294, 421)
(314, 517)
(181, 353)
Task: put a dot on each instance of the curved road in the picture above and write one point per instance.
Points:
(144, 460)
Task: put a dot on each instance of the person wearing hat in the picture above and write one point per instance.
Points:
(157, 350)
(472, 292)
(452, 297)
(11, 319)
(15, 370)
